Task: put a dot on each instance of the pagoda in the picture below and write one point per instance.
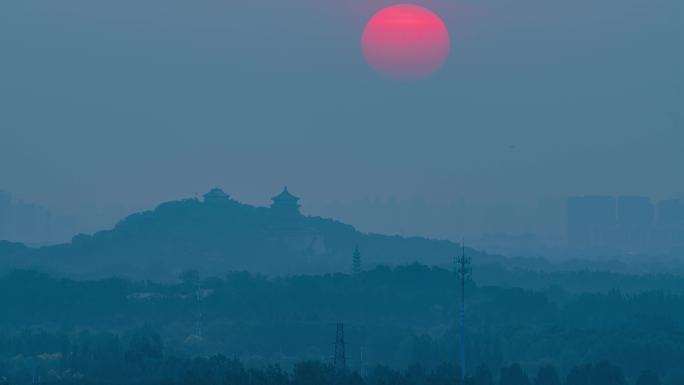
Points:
(285, 204)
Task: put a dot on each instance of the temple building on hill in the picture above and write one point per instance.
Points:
(216, 196)
(285, 205)
(290, 226)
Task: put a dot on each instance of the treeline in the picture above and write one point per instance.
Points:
(393, 316)
(139, 357)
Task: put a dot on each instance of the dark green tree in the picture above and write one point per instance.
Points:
(417, 374)
(513, 375)
(383, 375)
(445, 374)
(578, 375)
(190, 278)
(311, 373)
(483, 376)
(355, 379)
(605, 373)
(648, 377)
(547, 375)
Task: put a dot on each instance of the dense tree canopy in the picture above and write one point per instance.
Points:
(400, 317)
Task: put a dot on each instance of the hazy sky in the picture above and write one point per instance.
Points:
(132, 102)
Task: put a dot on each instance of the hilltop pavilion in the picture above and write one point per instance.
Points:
(285, 204)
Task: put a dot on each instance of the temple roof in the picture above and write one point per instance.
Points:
(285, 196)
(216, 193)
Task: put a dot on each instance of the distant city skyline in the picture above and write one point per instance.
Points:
(631, 224)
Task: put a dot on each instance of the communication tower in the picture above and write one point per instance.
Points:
(464, 271)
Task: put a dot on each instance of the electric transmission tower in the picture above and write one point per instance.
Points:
(464, 273)
(340, 358)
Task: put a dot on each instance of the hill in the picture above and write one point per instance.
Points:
(219, 234)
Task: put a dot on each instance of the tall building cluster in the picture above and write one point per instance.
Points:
(630, 224)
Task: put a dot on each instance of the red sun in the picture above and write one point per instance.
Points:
(405, 41)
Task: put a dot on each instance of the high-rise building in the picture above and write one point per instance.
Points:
(591, 220)
(671, 212)
(626, 224)
(636, 217)
(635, 211)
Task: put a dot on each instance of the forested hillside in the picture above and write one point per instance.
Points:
(221, 236)
(393, 316)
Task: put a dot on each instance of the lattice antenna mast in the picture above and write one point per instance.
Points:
(464, 273)
(340, 358)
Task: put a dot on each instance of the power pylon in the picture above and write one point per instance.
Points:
(340, 358)
(464, 273)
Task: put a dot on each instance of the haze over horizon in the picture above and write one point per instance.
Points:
(130, 103)
(326, 192)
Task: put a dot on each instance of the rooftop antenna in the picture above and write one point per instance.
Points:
(464, 272)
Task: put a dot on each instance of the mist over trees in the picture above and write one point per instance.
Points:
(139, 356)
(216, 291)
(397, 317)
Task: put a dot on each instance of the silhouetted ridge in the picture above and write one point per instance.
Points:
(219, 234)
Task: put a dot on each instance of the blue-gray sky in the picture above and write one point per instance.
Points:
(131, 102)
